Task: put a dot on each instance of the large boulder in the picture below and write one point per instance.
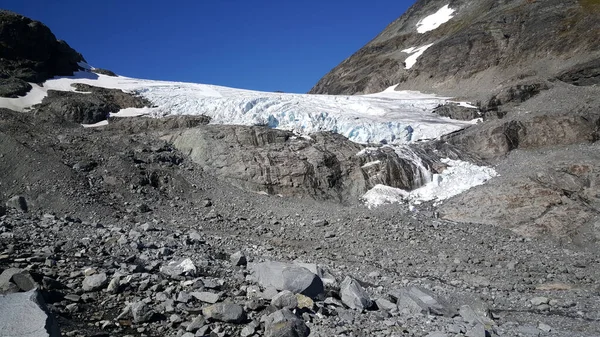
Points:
(286, 276)
(283, 323)
(353, 295)
(25, 314)
(416, 300)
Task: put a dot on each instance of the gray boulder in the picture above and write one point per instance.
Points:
(415, 300)
(141, 312)
(353, 295)
(286, 276)
(5, 280)
(25, 314)
(18, 202)
(225, 312)
(94, 282)
(285, 299)
(283, 323)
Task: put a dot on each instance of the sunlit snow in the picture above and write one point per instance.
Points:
(414, 52)
(435, 20)
(392, 117)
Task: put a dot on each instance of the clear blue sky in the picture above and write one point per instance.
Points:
(255, 44)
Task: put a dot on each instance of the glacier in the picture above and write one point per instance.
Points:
(390, 117)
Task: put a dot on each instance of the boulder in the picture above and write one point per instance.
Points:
(94, 282)
(18, 202)
(415, 300)
(178, 268)
(286, 276)
(141, 312)
(283, 323)
(225, 312)
(25, 314)
(353, 295)
(285, 299)
(5, 279)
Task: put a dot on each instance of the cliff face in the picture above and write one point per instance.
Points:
(29, 52)
(484, 45)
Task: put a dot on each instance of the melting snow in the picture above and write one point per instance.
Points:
(435, 20)
(457, 178)
(414, 52)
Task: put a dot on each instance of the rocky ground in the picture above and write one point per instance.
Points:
(113, 213)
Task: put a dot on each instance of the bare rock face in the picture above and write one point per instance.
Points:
(30, 52)
(25, 314)
(90, 107)
(485, 44)
(323, 166)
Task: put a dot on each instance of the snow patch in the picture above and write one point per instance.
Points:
(459, 177)
(414, 52)
(371, 163)
(435, 20)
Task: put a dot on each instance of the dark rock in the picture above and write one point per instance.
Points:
(455, 111)
(225, 312)
(76, 107)
(283, 323)
(26, 314)
(30, 52)
(18, 202)
(13, 87)
(24, 281)
(104, 72)
(2, 210)
(585, 74)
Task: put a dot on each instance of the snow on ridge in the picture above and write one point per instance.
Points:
(435, 20)
(414, 52)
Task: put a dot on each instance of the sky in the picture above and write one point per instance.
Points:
(261, 45)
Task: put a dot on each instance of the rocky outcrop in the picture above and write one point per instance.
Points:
(485, 44)
(495, 138)
(455, 111)
(322, 166)
(30, 52)
(90, 107)
(539, 192)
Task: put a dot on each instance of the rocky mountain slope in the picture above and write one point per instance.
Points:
(485, 45)
(140, 227)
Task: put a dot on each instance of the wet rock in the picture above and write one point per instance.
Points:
(225, 312)
(94, 282)
(25, 314)
(283, 323)
(353, 295)
(285, 276)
